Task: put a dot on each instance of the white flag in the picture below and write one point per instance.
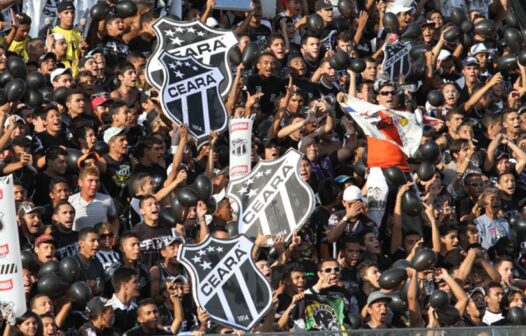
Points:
(240, 146)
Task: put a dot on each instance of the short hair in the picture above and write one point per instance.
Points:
(53, 152)
(491, 118)
(135, 182)
(446, 228)
(361, 236)
(293, 267)
(127, 235)
(503, 259)
(349, 240)
(30, 47)
(89, 171)
(451, 113)
(56, 180)
(326, 191)
(57, 207)
(320, 264)
(36, 297)
(24, 18)
(344, 36)
(115, 108)
(145, 144)
(265, 53)
(144, 198)
(508, 172)
(135, 55)
(112, 17)
(45, 111)
(145, 302)
(73, 92)
(122, 67)
(507, 111)
(22, 141)
(120, 276)
(471, 176)
(457, 144)
(306, 37)
(273, 37)
(148, 17)
(84, 232)
(491, 284)
(362, 268)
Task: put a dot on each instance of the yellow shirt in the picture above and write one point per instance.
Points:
(70, 64)
(19, 47)
(73, 38)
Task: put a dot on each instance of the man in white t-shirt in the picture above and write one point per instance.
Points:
(494, 294)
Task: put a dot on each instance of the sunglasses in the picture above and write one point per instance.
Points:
(330, 269)
(387, 93)
(106, 235)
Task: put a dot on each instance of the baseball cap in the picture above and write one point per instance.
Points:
(443, 55)
(477, 290)
(46, 56)
(521, 110)
(97, 101)
(471, 61)
(322, 4)
(95, 51)
(477, 49)
(58, 36)
(175, 238)
(342, 178)
(45, 238)
(502, 155)
(65, 5)
(377, 296)
(28, 207)
(426, 23)
(83, 60)
(95, 307)
(399, 7)
(17, 119)
(112, 132)
(352, 193)
(58, 72)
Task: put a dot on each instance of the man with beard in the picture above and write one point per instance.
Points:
(150, 232)
(66, 239)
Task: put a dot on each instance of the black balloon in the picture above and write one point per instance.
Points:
(522, 57)
(452, 34)
(392, 278)
(17, 66)
(167, 218)
(51, 285)
(250, 54)
(340, 60)
(430, 151)
(34, 98)
(458, 16)
(211, 206)
(467, 40)
(187, 197)
(401, 264)
(232, 229)
(448, 316)
(126, 8)
(435, 98)
(513, 221)
(439, 299)
(15, 89)
(485, 27)
(507, 63)
(51, 266)
(69, 269)
(516, 316)
(355, 320)
(29, 260)
(426, 171)
(411, 204)
(315, 24)
(395, 176)
(99, 10)
(80, 293)
(360, 169)
(467, 27)
(61, 94)
(424, 259)
(3, 98)
(520, 225)
(357, 65)
(341, 23)
(100, 147)
(390, 22)
(35, 80)
(405, 288)
(397, 305)
(179, 212)
(511, 19)
(346, 8)
(5, 78)
(72, 159)
(204, 188)
(513, 39)
(417, 51)
(234, 56)
(413, 31)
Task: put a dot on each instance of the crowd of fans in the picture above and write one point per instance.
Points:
(96, 163)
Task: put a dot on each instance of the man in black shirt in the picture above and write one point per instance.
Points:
(149, 152)
(101, 319)
(148, 318)
(126, 286)
(255, 29)
(91, 270)
(324, 9)
(65, 237)
(116, 49)
(118, 164)
(55, 168)
(377, 309)
(310, 51)
(146, 39)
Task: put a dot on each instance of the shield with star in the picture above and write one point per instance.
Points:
(190, 95)
(273, 198)
(209, 46)
(396, 59)
(226, 282)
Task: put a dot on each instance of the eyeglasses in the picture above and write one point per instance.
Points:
(330, 269)
(106, 235)
(387, 93)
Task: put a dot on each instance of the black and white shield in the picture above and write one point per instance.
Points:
(273, 198)
(226, 281)
(181, 39)
(190, 95)
(396, 59)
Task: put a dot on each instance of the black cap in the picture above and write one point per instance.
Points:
(95, 307)
(65, 5)
(322, 4)
(46, 56)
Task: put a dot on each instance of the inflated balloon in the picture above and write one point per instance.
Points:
(15, 89)
(513, 39)
(100, 147)
(114, 83)
(3, 98)
(392, 278)
(179, 212)
(395, 176)
(166, 217)
(418, 72)
(232, 229)
(426, 171)
(485, 27)
(513, 221)
(126, 8)
(413, 31)
(29, 260)
(357, 65)
(35, 80)
(341, 23)
(457, 16)
(401, 264)
(5, 78)
(234, 56)
(424, 259)
(51, 285)
(507, 63)
(17, 66)
(51, 266)
(522, 57)
(360, 169)
(411, 204)
(203, 187)
(355, 320)
(80, 293)
(250, 54)
(435, 98)
(520, 225)
(340, 60)
(61, 94)
(211, 206)
(405, 288)
(417, 51)
(397, 305)
(467, 27)
(390, 22)
(452, 34)
(439, 299)
(448, 316)
(34, 98)
(346, 8)
(467, 40)
(511, 19)
(187, 197)
(315, 24)
(516, 316)
(72, 159)
(430, 151)
(69, 269)
(99, 10)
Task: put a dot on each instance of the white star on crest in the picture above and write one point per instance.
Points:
(194, 68)
(178, 74)
(191, 30)
(210, 249)
(268, 172)
(169, 33)
(176, 40)
(252, 192)
(196, 259)
(243, 190)
(249, 181)
(259, 174)
(187, 63)
(206, 265)
(179, 30)
(200, 33)
(219, 249)
(201, 253)
(179, 63)
(172, 66)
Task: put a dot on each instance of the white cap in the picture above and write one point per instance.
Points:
(212, 22)
(477, 49)
(352, 193)
(58, 36)
(57, 72)
(400, 6)
(444, 54)
(16, 117)
(111, 132)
